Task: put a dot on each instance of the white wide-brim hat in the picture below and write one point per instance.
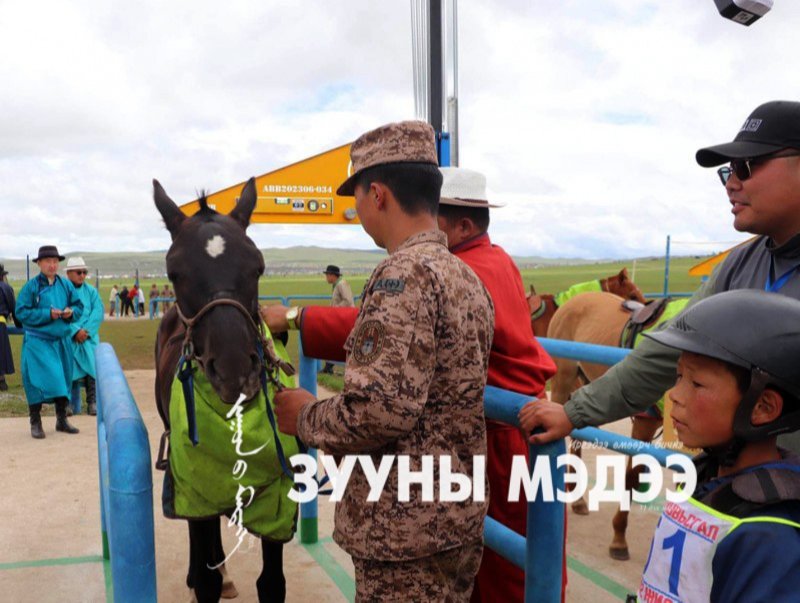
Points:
(464, 187)
(76, 263)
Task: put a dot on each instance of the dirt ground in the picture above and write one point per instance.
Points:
(51, 545)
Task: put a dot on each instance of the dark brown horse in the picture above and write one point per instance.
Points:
(214, 269)
(543, 306)
(600, 318)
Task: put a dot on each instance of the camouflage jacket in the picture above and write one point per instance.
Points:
(414, 379)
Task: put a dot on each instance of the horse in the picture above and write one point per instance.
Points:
(601, 318)
(543, 306)
(214, 269)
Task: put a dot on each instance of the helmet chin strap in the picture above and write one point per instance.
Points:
(727, 454)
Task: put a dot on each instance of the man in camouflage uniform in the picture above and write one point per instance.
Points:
(414, 379)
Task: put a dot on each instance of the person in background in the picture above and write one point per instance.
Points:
(112, 300)
(7, 306)
(124, 300)
(47, 305)
(140, 300)
(152, 296)
(85, 332)
(342, 297)
(166, 293)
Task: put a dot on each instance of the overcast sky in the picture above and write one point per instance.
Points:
(585, 115)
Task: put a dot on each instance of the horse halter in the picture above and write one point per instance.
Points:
(270, 362)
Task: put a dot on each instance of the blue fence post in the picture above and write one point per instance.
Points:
(544, 547)
(126, 484)
(308, 510)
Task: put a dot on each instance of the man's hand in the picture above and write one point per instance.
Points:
(55, 313)
(66, 313)
(275, 317)
(81, 336)
(550, 416)
(288, 404)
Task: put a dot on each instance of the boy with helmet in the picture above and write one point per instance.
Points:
(738, 537)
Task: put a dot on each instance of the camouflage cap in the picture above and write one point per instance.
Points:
(400, 142)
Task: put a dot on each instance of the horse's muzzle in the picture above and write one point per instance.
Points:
(231, 379)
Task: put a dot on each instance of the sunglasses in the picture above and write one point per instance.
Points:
(83, 272)
(743, 168)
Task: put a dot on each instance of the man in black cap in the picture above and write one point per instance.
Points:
(762, 181)
(47, 305)
(342, 297)
(7, 305)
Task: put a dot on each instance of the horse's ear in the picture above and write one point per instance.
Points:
(623, 275)
(246, 204)
(172, 214)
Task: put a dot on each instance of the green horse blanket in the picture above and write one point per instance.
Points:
(234, 469)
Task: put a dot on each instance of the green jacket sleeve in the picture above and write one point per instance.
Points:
(633, 385)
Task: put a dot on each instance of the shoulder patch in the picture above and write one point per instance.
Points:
(368, 341)
(390, 285)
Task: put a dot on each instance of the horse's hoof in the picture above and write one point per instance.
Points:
(579, 507)
(229, 590)
(619, 554)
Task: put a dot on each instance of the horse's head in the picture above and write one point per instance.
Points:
(620, 284)
(211, 259)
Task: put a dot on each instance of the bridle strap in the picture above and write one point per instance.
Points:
(271, 361)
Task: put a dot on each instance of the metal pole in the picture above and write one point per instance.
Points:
(27, 268)
(435, 69)
(309, 510)
(452, 94)
(666, 270)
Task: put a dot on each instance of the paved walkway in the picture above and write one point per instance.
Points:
(51, 548)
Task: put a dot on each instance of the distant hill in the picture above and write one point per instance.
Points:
(291, 260)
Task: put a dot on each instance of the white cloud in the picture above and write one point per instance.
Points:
(585, 116)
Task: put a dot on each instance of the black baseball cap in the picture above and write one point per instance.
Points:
(771, 127)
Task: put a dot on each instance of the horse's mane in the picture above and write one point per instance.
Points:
(205, 210)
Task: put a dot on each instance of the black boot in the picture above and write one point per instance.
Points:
(35, 411)
(91, 396)
(61, 417)
(3, 384)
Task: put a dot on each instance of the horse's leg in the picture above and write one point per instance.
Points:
(207, 583)
(271, 584)
(228, 587)
(644, 429)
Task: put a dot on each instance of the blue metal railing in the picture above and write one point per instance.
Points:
(126, 484)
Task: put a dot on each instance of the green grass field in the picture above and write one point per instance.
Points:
(133, 340)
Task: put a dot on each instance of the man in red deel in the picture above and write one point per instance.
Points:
(517, 362)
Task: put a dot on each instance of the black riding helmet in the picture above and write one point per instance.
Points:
(756, 330)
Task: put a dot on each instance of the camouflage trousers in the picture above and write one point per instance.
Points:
(444, 577)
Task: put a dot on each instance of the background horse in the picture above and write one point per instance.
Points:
(600, 318)
(543, 306)
(214, 268)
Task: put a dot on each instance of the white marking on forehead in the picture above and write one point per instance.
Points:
(215, 246)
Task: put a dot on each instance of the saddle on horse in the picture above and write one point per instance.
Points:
(643, 317)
